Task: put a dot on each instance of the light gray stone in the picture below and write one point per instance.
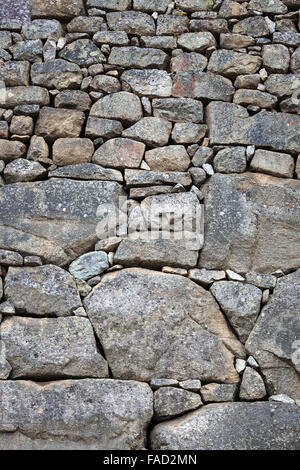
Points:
(273, 163)
(232, 64)
(60, 9)
(196, 42)
(218, 392)
(230, 160)
(152, 131)
(178, 109)
(51, 348)
(137, 178)
(42, 29)
(170, 402)
(123, 106)
(231, 426)
(152, 82)
(263, 281)
(120, 153)
(15, 73)
(254, 98)
(87, 171)
(89, 265)
(138, 57)
(23, 170)
(252, 386)
(59, 74)
(106, 128)
(88, 414)
(24, 95)
(274, 339)
(132, 22)
(206, 277)
(146, 318)
(202, 85)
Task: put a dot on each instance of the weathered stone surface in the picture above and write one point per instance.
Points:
(234, 41)
(152, 131)
(71, 151)
(215, 26)
(231, 124)
(42, 29)
(117, 5)
(89, 265)
(54, 219)
(152, 82)
(188, 133)
(21, 125)
(38, 150)
(132, 22)
(273, 163)
(23, 170)
(188, 62)
(86, 24)
(105, 83)
(230, 160)
(171, 401)
(193, 5)
(59, 123)
(268, 6)
(114, 38)
(230, 426)
(288, 38)
(241, 304)
(154, 5)
(107, 128)
(10, 150)
(254, 98)
(136, 178)
(31, 50)
(123, 105)
(274, 339)
(178, 109)
(51, 347)
(255, 26)
(82, 52)
(171, 24)
(120, 153)
(206, 277)
(73, 99)
(15, 73)
(282, 85)
(218, 392)
(75, 414)
(61, 9)
(196, 42)
(202, 85)
(138, 57)
(252, 386)
(295, 61)
(263, 281)
(24, 95)
(87, 171)
(58, 74)
(146, 318)
(42, 290)
(231, 64)
(202, 156)
(159, 42)
(169, 158)
(276, 58)
(249, 226)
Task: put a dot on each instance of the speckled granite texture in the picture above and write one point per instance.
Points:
(15, 10)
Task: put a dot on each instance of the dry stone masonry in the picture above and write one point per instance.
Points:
(120, 332)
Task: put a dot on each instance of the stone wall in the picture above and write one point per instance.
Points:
(148, 337)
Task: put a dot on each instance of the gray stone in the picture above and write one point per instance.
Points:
(137, 178)
(158, 383)
(152, 131)
(149, 6)
(230, 160)
(172, 24)
(215, 26)
(268, 6)
(202, 156)
(241, 304)
(105, 83)
(42, 290)
(107, 128)
(87, 171)
(252, 386)
(202, 85)
(138, 57)
(206, 277)
(31, 50)
(274, 339)
(24, 95)
(276, 58)
(86, 24)
(54, 123)
(38, 150)
(147, 317)
(273, 163)
(282, 85)
(15, 73)
(171, 401)
(255, 26)
(58, 74)
(120, 153)
(118, 5)
(23, 170)
(188, 133)
(123, 106)
(196, 42)
(82, 52)
(295, 61)
(42, 29)
(75, 414)
(263, 281)
(89, 265)
(54, 219)
(230, 124)
(169, 158)
(5, 39)
(113, 38)
(159, 42)
(218, 392)
(231, 426)
(257, 98)
(132, 22)
(178, 109)
(231, 64)
(9, 258)
(248, 225)
(71, 151)
(282, 398)
(235, 41)
(51, 347)
(152, 82)
(288, 38)
(73, 99)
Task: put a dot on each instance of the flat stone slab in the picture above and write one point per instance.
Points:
(89, 414)
(232, 426)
